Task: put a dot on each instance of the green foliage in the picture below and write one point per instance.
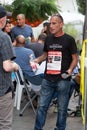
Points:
(71, 30)
(9, 8)
(81, 6)
(35, 9)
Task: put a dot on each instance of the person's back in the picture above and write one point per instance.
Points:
(38, 46)
(23, 56)
(23, 59)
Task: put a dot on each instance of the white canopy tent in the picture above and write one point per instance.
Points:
(74, 18)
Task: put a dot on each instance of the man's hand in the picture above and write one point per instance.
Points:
(15, 66)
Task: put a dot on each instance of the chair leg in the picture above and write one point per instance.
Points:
(19, 95)
(29, 102)
(15, 98)
(27, 105)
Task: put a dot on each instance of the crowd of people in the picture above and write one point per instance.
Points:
(18, 47)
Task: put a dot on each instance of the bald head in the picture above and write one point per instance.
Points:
(21, 15)
(20, 40)
(20, 20)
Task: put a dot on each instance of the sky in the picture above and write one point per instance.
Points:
(6, 1)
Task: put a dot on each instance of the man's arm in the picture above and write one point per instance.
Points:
(41, 58)
(73, 63)
(33, 39)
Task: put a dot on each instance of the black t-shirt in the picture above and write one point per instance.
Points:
(60, 50)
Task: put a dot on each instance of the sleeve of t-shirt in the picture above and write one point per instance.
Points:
(73, 46)
(13, 33)
(32, 34)
(45, 46)
(6, 48)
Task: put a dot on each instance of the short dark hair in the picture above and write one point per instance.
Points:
(46, 24)
(58, 15)
(42, 37)
(47, 31)
(7, 22)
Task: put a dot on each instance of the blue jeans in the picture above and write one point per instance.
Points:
(46, 94)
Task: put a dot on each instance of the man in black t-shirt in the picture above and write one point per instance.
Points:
(61, 57)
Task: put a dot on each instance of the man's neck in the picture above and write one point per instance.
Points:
(59, 34)
(22, 26)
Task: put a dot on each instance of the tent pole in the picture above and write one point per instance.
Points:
(85, 96)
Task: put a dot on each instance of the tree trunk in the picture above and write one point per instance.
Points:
(85, 24)
(85, 73)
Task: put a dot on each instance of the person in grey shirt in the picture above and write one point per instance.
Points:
(6, 67)
(38, 46)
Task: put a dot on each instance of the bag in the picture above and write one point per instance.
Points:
(77, 78)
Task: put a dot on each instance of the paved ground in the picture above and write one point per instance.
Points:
(26, 122)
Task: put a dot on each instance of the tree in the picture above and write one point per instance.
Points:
(34, 10)
(85, 24)
(81, 6)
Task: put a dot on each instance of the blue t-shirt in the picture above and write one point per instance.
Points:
(26, 31)
(23, 59)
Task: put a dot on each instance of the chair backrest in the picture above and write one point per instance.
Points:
(19, 76)
(19, 87)
(22, 83)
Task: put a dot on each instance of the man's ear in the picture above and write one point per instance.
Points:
(61, 24)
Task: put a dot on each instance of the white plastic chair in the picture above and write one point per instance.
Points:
(19, 88)
(29, 87)
(21, 84)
